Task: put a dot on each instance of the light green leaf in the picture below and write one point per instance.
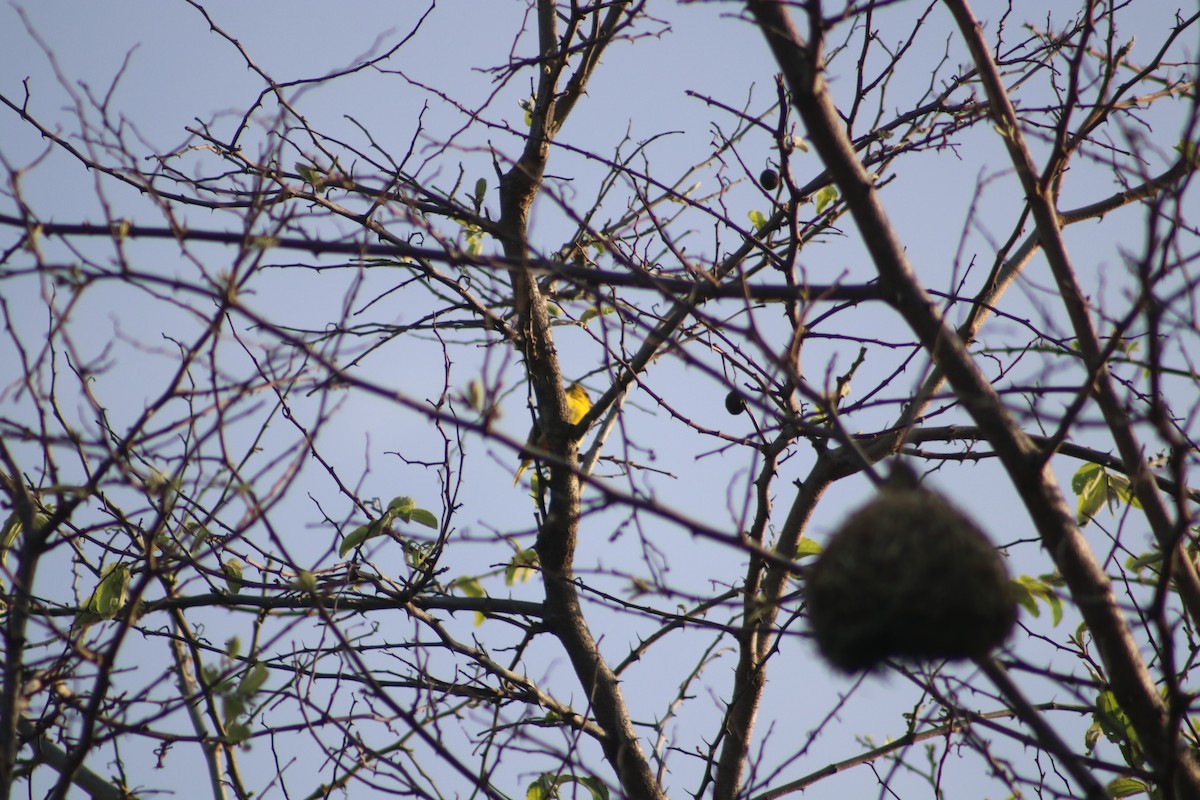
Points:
(109, 595)
(595, 311)
(1136, 564)
(401, 505)
(423, 517)
(1126, 787)
(474, 394)
(1117, 728)
(757, 219)
(547, 785)
(597, 787)
(1095, 487)
(522, 567)
(417, 553)
(471, 587)
(1119, 484)
(353, 539)
(237, 732)
(232, 570)
(305, 581)
(1028, 590)
(402, 508)
(536, 791)
(807, 547)
(1090, 484)
(233, 706)
(1189, 152)
(11, 530)
(1091, 737)
(405, 508)
(826, 197)
(199, 534)
(308, 174)
(253, 680)
(1025, 598)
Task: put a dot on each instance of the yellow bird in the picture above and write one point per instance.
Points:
(578, 404)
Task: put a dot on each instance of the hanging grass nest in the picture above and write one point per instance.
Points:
(908, 576)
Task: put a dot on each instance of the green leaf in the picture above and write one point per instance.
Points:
(595, 311)
(355, 538)
(232, 706)
(307, 173)
(1136, 564)
(474, 394)
(232, 570)
(108, 598)
(218, 684)
(401, 505)
(405, 508)
(1084, 476)
(1126, 787)
(402, 508)
(199, 535)
(1189, 152)
(547, 785)
(757, 219)
(1117, 728)
(11, 530)
(807, 547)
(1091, 737)
(1090, 484)
(521, 567)
(597, 787)
(480, 193)
(417, 553)
(1028, 590)
(1119, 484)
(423, 517)
(110, 594)
(1055, 602)
(471, 587)
(537, 790)
(237, 732)
(305, 581)
(1025, 598)
(253, 680)
(826, 197)
(313, 176)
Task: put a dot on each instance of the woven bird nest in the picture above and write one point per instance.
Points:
(908, 576)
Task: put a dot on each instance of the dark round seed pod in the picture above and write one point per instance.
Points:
(769, 179)
(908, 576)
(734, 402)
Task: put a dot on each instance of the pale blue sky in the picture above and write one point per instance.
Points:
(176, 70)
